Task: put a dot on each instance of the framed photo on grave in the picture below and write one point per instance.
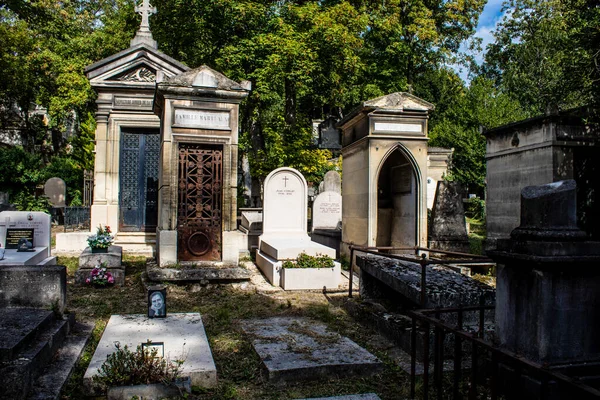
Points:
(13, 236)
(157, 303)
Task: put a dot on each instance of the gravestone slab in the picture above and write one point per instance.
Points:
(33, 286)
(19, 326)
(296, 349)
(327, 211)
(38, 221)
(183, 336)
(332, 182)
(329, 135)
(284, 223)
(55, 189)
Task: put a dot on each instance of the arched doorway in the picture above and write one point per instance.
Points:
(397, 202)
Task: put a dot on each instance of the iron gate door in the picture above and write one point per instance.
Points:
(138, 173)
(199, 202)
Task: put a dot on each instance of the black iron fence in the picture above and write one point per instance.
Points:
(479, 368)
(492, 371)
(77, 218)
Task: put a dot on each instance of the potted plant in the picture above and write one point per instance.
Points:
(127, 373)
(101, 241)
(100, 277)
(310, 272)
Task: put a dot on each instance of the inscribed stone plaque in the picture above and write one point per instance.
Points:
(133, 102)
(327, 211)
(202, 119)
(36, 220)
(285, 202)
(397, 127)
(55, 189)
(14, 235)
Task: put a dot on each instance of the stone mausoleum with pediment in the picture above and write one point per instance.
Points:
(165, 174)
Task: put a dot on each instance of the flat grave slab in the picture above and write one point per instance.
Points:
(183, 336)
(294, 349)
(39, 256)
(366, 396)
(19, 326)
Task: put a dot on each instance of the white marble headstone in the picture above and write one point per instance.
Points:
(327, 211)
(55, 189)
(285, 202)
(36, 220)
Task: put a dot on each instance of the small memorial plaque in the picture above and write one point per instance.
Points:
(149, 346)
(14, 235)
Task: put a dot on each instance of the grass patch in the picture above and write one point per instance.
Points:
(222, 307)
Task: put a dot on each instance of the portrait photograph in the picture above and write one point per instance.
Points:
(157, 303)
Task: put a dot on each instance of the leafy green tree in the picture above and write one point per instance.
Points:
(542, 53)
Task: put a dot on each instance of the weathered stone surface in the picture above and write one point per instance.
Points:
(183, 336)
(549, 212)
(198, 274)
(19, 327)
(311, 278)
(88, 260)
(252, 220)
(444, 287)
(33, 286)
(297, 349)
(448, 230)
(547, 281)
(366, 396)
(112, 258)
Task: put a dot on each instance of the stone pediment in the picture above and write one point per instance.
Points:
(399, 101)
(138, 66)
(208, 78)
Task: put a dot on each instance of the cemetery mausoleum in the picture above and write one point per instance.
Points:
(385, 151)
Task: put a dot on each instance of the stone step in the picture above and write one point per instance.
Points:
(18, 375)
(53, 378)
(20, 326)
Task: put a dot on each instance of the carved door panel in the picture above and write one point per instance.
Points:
(200, 202)
(138, 204)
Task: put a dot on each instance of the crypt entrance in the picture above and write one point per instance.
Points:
(138, 180)
(200, 202)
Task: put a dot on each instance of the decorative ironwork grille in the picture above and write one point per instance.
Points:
(140, 154)
(200, 202)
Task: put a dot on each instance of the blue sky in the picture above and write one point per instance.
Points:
(488, 20)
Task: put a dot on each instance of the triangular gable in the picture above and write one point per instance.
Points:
(399, 101)
(206, 77)
(138, 65)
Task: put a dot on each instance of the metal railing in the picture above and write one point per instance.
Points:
(421, 257)
(77, 218)
(485, 362)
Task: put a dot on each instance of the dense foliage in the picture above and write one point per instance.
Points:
(306, 60)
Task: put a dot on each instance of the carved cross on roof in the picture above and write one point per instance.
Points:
(145, 10)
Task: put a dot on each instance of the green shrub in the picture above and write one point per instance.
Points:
(306, 261)
(124, 367)
(476, 209)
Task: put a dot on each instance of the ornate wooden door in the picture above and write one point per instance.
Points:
(138, 204)
(199, 202)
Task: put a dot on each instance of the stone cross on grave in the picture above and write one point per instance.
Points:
(285, 179)
(145, 10)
